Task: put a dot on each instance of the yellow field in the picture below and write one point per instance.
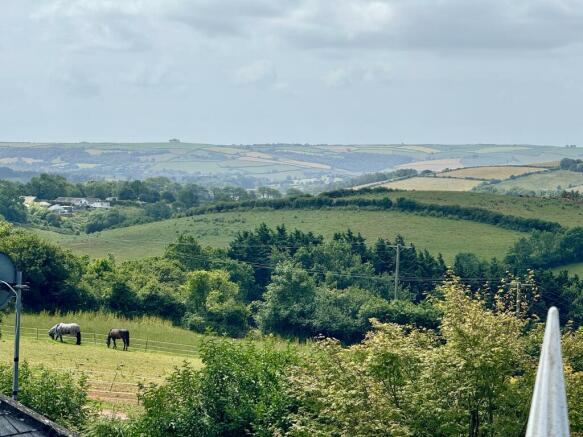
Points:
(433, 184)
(423, 149)
(501, 149)
(490, 172)
(433, 164)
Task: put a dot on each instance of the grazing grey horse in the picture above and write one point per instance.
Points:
(118, 334)
(61, 329)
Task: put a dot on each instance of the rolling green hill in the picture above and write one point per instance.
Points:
(563, 211)
(260, 164)
(443, 235)
(538, 183)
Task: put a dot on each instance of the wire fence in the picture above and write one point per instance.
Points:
(141, 344)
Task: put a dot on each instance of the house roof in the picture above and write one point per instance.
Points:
(18, 420)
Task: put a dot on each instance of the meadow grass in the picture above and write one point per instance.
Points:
(490, 172)
(573, 268)
(436, 234)
(113, 375)
(433, 184)
(566, 212)
(541, 182)
(146, 327)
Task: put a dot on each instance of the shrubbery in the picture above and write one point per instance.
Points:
(472, 376)
(56, 395)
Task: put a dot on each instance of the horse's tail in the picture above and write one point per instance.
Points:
(78, 337)
(128, 338)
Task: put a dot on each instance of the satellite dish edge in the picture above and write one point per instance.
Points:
(7, 274)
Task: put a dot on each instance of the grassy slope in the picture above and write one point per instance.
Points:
(565, 212)
(492, 172)
(433, 184)
(435, 234)
(113, 374)
(547, 181)
(574, 269)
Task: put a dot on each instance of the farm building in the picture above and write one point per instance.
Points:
(82, 202)
(18, 420)
(61, 209)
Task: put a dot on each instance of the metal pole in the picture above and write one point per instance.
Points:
(397, 260)
(17, 335)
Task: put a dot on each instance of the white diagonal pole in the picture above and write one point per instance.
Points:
(548, 409)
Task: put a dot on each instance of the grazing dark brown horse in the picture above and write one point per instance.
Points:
(119, 334)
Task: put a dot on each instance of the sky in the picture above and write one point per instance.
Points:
(296, 71)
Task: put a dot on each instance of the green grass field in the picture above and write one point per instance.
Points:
(574, 269)
(437, 235)
(490, 172)
(565, 212)
(433, 184)
(541, 182)
(113, 375)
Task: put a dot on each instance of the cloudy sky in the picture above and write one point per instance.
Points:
(317, 71)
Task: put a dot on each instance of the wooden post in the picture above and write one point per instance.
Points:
(146, 344)
(37, 333)
(94, 339)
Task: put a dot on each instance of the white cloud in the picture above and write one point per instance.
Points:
(154, 74)
(352, 74)
(261, 71)
(339, 24)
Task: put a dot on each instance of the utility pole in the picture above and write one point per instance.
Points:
(519, 286)
(398, 248)
(18, 288)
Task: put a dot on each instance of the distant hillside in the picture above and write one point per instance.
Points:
(308, 167)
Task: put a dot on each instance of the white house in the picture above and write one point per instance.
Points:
(61, 209)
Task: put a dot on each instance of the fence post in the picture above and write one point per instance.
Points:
(94, 339)
(37, 333)
(146, 344)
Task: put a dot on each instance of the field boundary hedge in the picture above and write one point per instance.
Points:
(345, 198)
(479, 215)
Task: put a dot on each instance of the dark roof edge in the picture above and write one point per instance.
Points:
(50, 427)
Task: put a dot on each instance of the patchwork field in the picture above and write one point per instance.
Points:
(431, 233)
(434, 164)
(433, 184)
(492, 172)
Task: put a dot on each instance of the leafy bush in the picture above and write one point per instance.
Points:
(239, 391)
(56, 395)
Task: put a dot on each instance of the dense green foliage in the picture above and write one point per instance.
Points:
(471, 376)
(56, 395)
(294, 284)
(571, 164)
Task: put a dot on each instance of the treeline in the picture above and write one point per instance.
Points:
(571, 164)
(294, 284)
(347, 198)
(160, 198)
(152, 199)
